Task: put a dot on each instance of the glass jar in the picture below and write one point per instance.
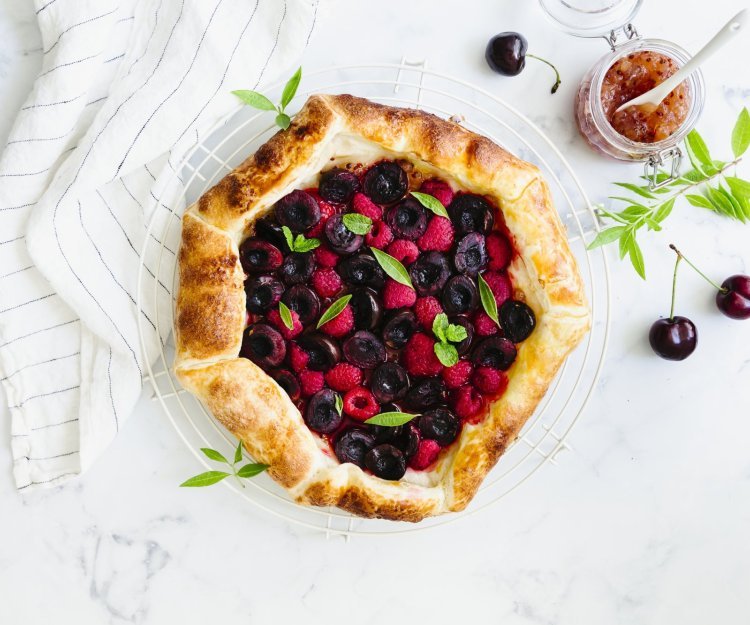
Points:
(590, 114)
(611, 20)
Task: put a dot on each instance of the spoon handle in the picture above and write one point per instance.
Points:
(732, 28)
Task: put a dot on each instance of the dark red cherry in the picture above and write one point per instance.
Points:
(464, 346)
(389, 382)
(341, 239)
(496, 352)
(268, 230)
(304, 301)
(365, 350)
(362, 270)
(460, 295)
(517, 320)
(264, 345)
(407, 219)
(440, 425)
(734, 297)
(297, 268)
(367, 309)
(385, 182)
(429, 273)
(288, 381)
(262, 294)
(506, 53)
(407, 439)
(425, 394)
(673, 339)
(386, 462)
(353, 445)
(324, 352)
(399, 329)
(471, 254)
(471, 213)
(321, 415)
(259, 256)
(298, 211)
(338, 185)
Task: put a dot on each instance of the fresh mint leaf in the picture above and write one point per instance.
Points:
(489, 303)
(607, 236)
(741, 134)
(455, 333)
(391, 419)
(283, 121)
(251, 470)
(286, 316)
(339, 403)
(289, 237)
(214, 455)
(356, 223)
(301, 244)
(255, 99)
(392, 267)
(446, 354)
(440, 326)
(205, 479)
(334, 310)
(290, 89)
(430, 203)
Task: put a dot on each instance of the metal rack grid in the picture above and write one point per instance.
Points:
(408, 83)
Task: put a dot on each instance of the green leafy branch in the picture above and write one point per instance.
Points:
(212, 477)
(709, 184)
(262, 103)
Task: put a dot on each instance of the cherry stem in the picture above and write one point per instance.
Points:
(674, 286)
(698, 271)
(556, 86)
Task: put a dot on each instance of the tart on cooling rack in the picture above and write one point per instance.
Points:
(374, 263)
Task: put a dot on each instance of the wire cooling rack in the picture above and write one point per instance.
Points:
(408, 83)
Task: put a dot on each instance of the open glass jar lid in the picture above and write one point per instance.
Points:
(633, 66)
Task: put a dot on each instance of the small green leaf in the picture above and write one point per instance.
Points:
(446, 354)
(456, 333)
(205, 479)
(636, 257)
(664, 211)
(625, 242)
(740, 187)
(214, 455)
(698, 153)
(356, 223)
(289, 237)
(489, 303)
(431, 203)
(642, 191)
(652, 225)
(720, 202)
(635, 212)
(283, 121)
(440, 326)
(391, 419)
(605, 237)
(741, 134)
(286, 315)
(699, 201)
(238, 452)
(252, 469)
(737, 209)
(290, 89)
(392, 267)
(255, 99)
(339, 404)
(334, 310)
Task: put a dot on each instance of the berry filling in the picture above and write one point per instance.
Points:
(386, 347)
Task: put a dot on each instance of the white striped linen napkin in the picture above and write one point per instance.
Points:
(126, 87)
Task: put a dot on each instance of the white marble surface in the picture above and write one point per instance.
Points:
(647, 521)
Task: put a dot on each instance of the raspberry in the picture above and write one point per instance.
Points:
(298, 357)
(427, 453)
(458, 374)
(310, 382)
(397, 295)
(419, 356)
(360, 404)
(499, 251)
(380, 235)
(326, 282)
(438, 189)
(404, 251)
(275, 318)
(365, 206)
(325, 256)
(499, 284)
(489, 381)
(326, 210)
(483, 324)
(426, 309)
(343, 377)
(438, 237)
(467, 403)
(340, 325)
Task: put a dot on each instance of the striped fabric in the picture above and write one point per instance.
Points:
(126, 87)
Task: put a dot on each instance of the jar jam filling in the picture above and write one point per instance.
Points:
(377, 355)
(634, 75)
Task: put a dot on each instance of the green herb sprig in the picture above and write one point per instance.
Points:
(300, 243)
(391, 419)
(334, 310)
(430, 203)
(392, 267)
(286, 315)
(709, 184)
(212, 477)
(447, 333)
(489, 303)
(261, 102)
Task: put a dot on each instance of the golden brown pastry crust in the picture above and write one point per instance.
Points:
(210, 308)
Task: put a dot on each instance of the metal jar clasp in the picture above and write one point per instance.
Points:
(628, 31)
(655, 162)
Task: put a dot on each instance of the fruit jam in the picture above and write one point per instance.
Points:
(634, 75)
(378, 354)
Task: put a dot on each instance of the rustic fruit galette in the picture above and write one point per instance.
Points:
(374, 303)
